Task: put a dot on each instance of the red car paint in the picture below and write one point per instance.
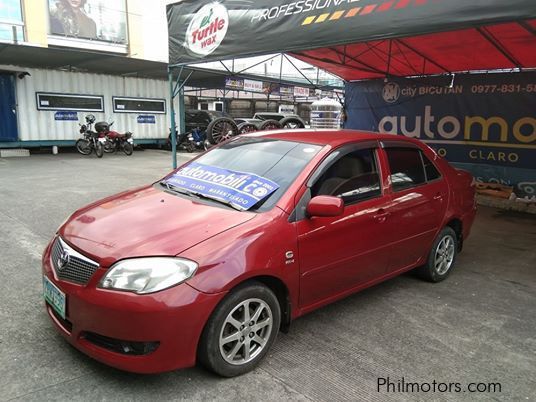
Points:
(333, 256)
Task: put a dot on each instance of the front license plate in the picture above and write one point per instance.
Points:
(54, 296)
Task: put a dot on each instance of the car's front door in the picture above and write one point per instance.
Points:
(340, 253)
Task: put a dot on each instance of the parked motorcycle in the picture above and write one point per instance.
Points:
(190, 142)
(115, 141)
(91, 141)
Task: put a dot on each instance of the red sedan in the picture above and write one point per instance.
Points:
(208, 264)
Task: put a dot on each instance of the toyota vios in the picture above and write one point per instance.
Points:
(209, 263)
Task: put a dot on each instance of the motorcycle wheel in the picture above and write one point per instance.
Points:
(83, 146)
(109, 147)
(128, 148)
(99, 150)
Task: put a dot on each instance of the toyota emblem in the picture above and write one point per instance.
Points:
(63, 260)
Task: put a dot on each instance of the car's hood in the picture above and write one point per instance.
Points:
(146, 222)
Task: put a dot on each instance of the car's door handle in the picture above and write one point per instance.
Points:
(381, 215)
(438, 197)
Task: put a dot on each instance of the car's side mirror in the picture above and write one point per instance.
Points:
(325, 205)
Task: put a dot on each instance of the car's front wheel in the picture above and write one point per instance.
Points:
(241, 330)
(441, 258)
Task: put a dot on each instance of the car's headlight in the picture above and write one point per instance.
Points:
(148, 275)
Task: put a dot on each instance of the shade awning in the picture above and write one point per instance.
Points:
(500, 46)
(359, 39)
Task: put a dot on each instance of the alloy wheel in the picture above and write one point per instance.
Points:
(444, 255)
(245, 331)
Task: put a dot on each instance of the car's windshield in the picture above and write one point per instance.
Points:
(275, 160)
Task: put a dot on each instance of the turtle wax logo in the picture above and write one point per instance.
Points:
(207, 29)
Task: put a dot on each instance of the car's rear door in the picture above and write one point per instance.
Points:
(419, 196)
(337, 254)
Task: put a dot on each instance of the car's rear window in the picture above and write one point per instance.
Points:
(277, 160)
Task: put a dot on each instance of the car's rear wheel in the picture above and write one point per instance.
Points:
(441, 258)
(240, 331)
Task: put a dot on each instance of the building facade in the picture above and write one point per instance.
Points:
(63, 59)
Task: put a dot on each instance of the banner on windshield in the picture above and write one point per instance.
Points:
(239, 189)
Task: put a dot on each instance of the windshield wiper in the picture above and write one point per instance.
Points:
(191, 193)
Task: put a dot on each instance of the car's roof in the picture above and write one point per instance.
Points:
(328, 137)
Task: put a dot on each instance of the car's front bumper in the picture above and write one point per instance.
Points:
(172, 320)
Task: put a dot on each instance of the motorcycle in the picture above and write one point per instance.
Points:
(91, 141)
(190, 142)
(115, 141)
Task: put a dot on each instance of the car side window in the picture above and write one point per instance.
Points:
(354, 177)
(429, 169)
(409, 168)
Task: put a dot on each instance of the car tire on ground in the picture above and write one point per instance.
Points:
(292, 123)
(240, 331)
(269, 125)
(441, 258)
(221, 129)
(244, 128)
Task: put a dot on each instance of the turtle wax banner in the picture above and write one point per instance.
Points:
(485, 123)
(239, 189)
(205, 30)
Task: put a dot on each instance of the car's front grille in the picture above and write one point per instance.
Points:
(70, 265)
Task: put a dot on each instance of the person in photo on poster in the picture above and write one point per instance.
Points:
(69, 18)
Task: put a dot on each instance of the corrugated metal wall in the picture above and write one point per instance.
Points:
(40, 124)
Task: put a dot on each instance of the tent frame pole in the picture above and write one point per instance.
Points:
(176, 88)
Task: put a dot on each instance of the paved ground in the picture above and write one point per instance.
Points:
(478, 326)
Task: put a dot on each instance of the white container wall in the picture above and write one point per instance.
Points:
(41, 125)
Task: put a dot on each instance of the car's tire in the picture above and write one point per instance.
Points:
(292, 123)
(99, 149)
(83, 146)
(441, 258)
(128, 148)
(233, 344)
(269, 125)
(245, 128)
(221, 129)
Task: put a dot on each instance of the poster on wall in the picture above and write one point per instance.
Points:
(484, 123)
(101, 20)
(253, 86)
(234, 83)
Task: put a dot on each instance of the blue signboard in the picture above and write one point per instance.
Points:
(485, 123)
(66, 116)
(146, 119)
(239, 189)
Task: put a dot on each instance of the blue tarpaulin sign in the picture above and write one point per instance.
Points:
(239, 189)
(146, 119)
(66, 116)
(484, 123)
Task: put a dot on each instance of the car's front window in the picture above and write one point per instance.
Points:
(272, 160)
